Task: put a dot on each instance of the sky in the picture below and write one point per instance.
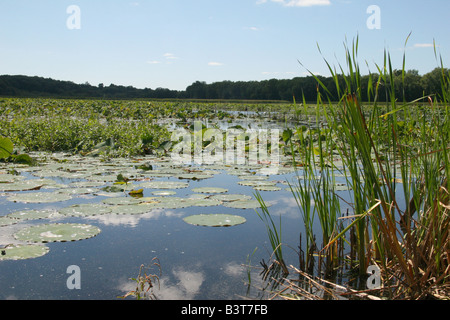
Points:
(173, 43)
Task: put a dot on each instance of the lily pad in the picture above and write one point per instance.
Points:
(57, 232)
(194, 176)
(6, 221)
(202, 202)
(230, 197)
(39, 197)
(6, 177)
(86, 184)
(210, 190)
(243, 204)
(134, 208)
(267, 188)
(251, 183)
(122, 201)
(85, 210)
(20, 252)
(215, 220)
(23, 185)
(78, 191)
(164, 185)
(32, 214)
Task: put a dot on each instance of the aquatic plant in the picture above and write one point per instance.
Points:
(395, 160)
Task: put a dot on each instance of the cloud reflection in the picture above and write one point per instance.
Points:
(181, 285)
(132, 220)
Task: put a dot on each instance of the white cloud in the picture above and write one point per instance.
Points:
(298, 3)
(153, 62)
(215, 64)
(170, 56)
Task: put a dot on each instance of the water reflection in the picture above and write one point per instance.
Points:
(194, 282)
(133, 220)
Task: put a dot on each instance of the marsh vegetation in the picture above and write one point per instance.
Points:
(368, 177)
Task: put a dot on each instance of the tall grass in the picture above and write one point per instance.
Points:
(395, 159)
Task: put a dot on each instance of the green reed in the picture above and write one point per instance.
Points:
(395, 160)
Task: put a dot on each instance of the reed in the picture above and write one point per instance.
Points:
(396, 163)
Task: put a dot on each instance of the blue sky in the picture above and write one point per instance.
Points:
(173, 43)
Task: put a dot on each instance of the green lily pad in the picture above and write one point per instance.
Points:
(215, 220)
(8, 178)
(210, 190)
(172, 203)
(32, 214)
(267, 188)
(164, 185)
(6, 221)
(258, 183)
(230, 197)
(133, 208)
(86, 184)
(6, 147)
(77, 191)
(21, 252)
(85, 210)
(57, 232)
(23, 185)
(122, 201)
(202, 202)
(243, 204)
(39, 197)
(253, 177)
(194, 176)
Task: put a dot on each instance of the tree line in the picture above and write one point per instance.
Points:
(409, 85)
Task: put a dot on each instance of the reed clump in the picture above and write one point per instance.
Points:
(395, 159)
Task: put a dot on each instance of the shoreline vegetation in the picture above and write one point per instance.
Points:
(391, 146)
(396, 163)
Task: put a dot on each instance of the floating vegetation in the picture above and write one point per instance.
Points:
(39, 197)
(6, 221)
(267, 188)
(194, 176)
(215, 220)
(57, 232)
(256, 183)
(230, 197)
(21, 252)
(164, 185)
(122, 201)
(32, 214)
(21, 185)
(210, 190)
(133, 208)
(243, 204)
(203, 202)
(85, 210)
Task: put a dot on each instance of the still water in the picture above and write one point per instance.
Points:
(195, 262)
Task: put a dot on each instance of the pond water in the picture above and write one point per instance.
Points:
(196, 262)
